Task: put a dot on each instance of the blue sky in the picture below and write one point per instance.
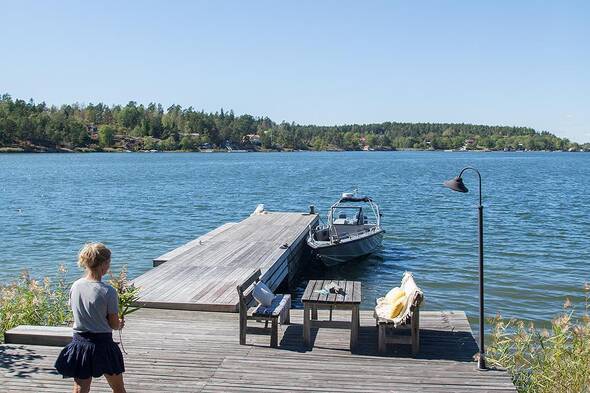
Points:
(323, 62)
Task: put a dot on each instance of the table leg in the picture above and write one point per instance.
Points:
(306, 324)
(354, 328)
(314, 313)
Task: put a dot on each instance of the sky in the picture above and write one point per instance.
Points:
(516, 63)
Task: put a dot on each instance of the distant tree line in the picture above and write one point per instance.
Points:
(136, 126)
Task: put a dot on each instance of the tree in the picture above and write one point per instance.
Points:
(169, 144)
(149, 143)
(188, 143)
(70, 125)
(106, 135)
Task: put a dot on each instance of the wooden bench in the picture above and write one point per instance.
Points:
(408, 319)
(278, 312)
(57, 336)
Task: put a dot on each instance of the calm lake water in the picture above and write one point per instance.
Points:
(141, 205)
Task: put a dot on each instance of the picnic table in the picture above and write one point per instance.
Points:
(317, 297)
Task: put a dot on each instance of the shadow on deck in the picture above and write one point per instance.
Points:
(189, 351)
(435, 344)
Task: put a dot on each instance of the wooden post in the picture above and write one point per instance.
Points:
(416, 331)
(382, 344)
(287, 313)
(306, 324)
(354, 328)
(274, 333)
(243, 317)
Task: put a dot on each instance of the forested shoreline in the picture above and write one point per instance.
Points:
(30, 126)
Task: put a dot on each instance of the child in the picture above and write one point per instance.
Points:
(92, 352)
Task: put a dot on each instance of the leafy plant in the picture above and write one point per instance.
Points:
(27, 301)
(127, 292)
(545, 360)
(128, 296)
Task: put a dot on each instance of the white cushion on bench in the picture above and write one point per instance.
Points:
(263, 294)
(277, 305)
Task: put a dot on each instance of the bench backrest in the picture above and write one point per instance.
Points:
(414, 292)
(245, 292)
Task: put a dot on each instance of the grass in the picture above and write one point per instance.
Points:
(545, 360)
(27, 301)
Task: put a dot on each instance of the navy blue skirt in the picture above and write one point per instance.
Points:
(90, 355)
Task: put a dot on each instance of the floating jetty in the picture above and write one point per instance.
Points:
(202, 275)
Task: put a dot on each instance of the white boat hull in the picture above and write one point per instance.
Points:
(336, 253)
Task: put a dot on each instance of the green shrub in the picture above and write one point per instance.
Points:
(545, 360)
(31, 302)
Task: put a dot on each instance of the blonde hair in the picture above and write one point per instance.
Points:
(93, 255)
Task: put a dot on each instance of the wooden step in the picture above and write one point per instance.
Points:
(55, 336)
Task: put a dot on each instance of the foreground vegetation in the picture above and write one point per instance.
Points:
(29, 126)
(27, 301)
(546, 360)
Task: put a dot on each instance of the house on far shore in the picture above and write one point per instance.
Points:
(92, 131)
(131, 143)
(469, 144)
(253, 139)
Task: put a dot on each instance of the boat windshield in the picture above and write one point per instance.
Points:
(350, 215)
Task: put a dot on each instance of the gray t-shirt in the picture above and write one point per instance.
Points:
(91, 301)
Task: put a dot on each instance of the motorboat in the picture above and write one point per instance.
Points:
(349, 232)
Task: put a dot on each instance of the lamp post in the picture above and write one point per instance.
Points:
(456, 184)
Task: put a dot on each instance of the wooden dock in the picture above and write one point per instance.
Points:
(186, 351)
(203, 274)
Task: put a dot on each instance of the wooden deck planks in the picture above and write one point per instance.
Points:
(190, 245)
(203, 274)
(187, 351)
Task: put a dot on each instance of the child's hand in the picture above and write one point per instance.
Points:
(121, 323)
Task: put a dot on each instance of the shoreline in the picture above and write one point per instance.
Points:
(61, 150)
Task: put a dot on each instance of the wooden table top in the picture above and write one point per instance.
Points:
(351, 295)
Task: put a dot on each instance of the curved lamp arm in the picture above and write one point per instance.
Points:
(479, 177)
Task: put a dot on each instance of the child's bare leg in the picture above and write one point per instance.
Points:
(116, 382)
(82, 385)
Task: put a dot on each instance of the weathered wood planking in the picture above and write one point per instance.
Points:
(193, 243)
(203, 274)
(184, 351)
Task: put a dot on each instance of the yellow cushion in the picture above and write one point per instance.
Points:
(397, 306)
(394, 294)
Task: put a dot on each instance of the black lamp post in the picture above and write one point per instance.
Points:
(456, 184)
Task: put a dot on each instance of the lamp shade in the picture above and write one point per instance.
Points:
(456, 184)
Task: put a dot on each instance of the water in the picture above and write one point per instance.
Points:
(142, 205)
